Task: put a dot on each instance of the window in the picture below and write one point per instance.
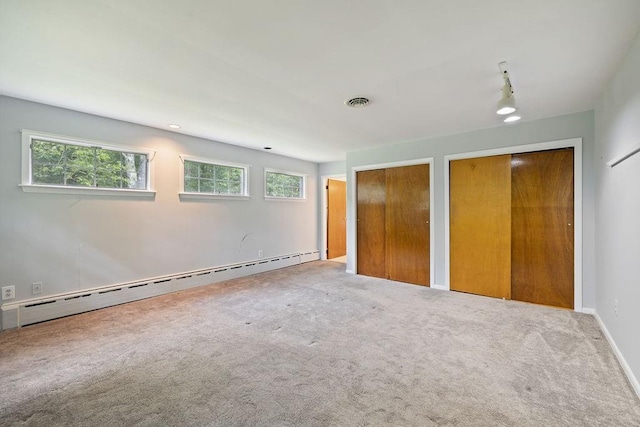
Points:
(284, 185)
(67, 165)
(203, 177)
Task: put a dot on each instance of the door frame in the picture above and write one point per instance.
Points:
(576, 144)
(353, 206)
(324, 245)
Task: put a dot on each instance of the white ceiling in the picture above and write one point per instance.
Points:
(276, 73)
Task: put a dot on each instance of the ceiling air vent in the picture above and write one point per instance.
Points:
(358, 102)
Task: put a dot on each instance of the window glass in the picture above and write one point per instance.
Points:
(285, 185)
(202, 177)
(65, 164)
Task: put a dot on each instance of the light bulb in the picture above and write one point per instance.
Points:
(506, 105)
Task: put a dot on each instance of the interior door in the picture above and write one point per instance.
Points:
(407, 224)
(336, 218)
(480, 226)
(542, 227)
(371, 211)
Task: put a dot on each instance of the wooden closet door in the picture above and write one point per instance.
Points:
(371, 201)
(336, 218)
(480, 226)
(542, 227)
(407, 224)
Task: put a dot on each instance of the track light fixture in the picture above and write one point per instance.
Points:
(507, 103)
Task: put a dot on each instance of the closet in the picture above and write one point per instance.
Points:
(393, 223)
(511, 226)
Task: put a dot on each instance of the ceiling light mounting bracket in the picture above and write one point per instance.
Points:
(507, 87)
(507, 103)
(504, 70)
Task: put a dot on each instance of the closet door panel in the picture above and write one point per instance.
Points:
(371, 202)
(542, 228)
(480, 226)
(407, 224)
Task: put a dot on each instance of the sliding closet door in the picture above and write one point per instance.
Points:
(480, 226)
(407, 224)
(371, 205)
(542, 227)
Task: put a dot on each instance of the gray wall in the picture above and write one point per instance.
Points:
(551, 129)
(617, 128)
(72, 242)
(332, 168)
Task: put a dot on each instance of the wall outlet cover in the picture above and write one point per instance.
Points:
(36, 288)
(8, 292)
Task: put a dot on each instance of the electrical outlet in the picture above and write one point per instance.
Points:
(8, 292)
(36, 288)
(260, 253)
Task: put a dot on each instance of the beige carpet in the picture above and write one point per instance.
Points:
(313, 346)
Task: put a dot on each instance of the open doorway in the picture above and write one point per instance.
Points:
(335, 233)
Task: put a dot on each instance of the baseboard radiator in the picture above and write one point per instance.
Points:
(31, 311)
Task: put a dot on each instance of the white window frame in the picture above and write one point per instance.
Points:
(193, 195)
(303, 197)
(28, 186)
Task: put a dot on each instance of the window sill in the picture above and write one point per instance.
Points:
(208, 196)
(86, 191)
(285, 199)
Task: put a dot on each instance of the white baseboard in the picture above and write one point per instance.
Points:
(309, 256)
(625, 366)
(350, 272)
(591, 311)
(26, 312)
(439, 287)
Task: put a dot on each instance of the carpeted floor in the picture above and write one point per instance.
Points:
(312, 346)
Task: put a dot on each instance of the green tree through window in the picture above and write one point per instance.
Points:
(284, 185)
(212, 178)
(56, 163)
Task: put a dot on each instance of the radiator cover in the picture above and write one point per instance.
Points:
(15, 315)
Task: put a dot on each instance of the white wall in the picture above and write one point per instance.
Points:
(617, 128)
(551, 129)
(71, 242)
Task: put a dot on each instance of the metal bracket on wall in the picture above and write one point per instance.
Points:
(611, 163)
